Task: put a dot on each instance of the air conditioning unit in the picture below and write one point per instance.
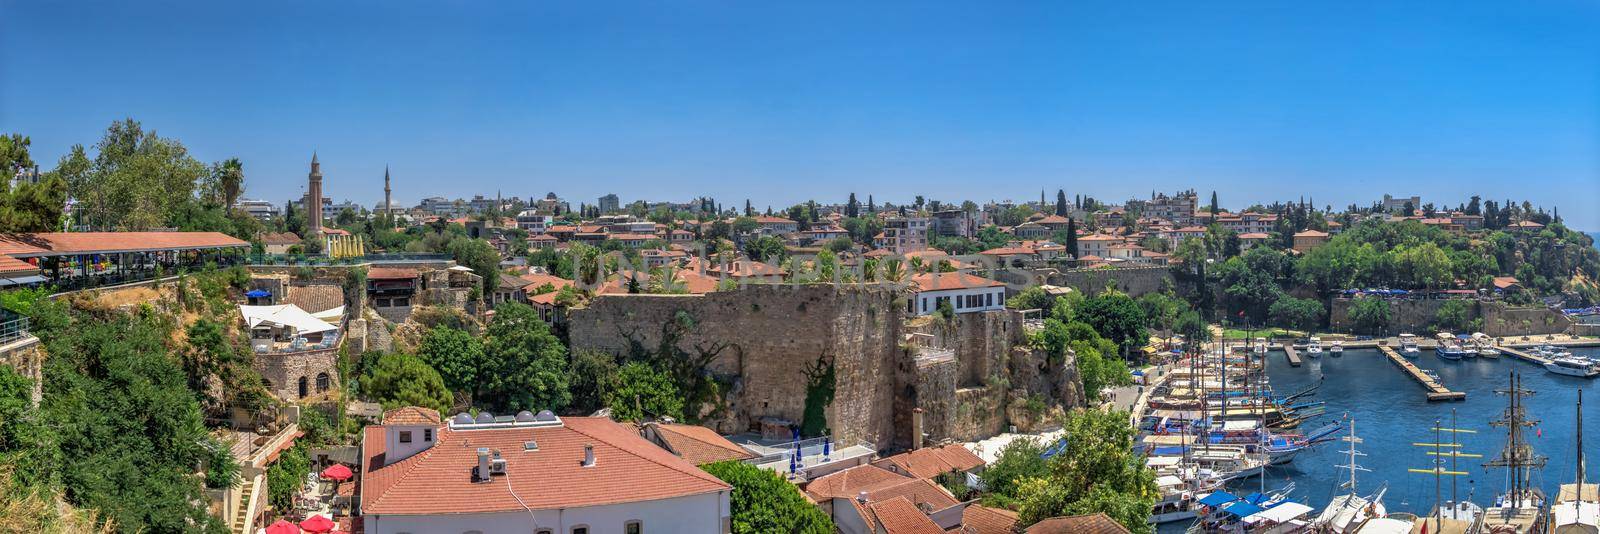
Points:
(497, 466)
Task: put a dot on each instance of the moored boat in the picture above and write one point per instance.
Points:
(1336, 349)
(1571, 366)
(1408, 345)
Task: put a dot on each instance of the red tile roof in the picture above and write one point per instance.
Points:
(1311, 233)
(929, 462)
(978, 519)
(58, 243)
(900, 516)
(1096, 523)
(10, 265)
(768, 219)
(439, 480)
(699, 445)
(390, 273)
(411, 415)
(279, 238)
(849, 482)
(946, 281)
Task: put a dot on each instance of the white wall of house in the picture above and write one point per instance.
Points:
(963, 300)
(418, 438)
(692, 514)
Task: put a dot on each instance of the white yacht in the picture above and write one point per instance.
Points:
(1408, 345)
(1336, 349)
(1314, 346)
(1571, 366)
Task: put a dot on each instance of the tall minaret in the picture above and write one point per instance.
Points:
(314, 200)
(388, 201)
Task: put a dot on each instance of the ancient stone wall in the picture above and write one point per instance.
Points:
(772, 334)
(1134, 281)
(1420, 315)
(283, 372)
(25, 355)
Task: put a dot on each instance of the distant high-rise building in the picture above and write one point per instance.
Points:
(260, 209)
(610, 203)
(314, 199)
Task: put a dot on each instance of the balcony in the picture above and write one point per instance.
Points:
(817, 456)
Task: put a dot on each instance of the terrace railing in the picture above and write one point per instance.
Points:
(315, 260)
(12, 329)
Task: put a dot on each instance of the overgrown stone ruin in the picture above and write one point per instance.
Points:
(972, 375)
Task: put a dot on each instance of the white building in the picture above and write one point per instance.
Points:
(529, 473)
(262, 210)
(966, 293)
(534, 222)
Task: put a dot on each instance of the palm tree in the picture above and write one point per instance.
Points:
(230, 182)
(893, 270)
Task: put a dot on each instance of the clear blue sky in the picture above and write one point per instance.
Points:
(1341, 101)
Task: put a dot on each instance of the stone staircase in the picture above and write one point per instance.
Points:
(241, 517)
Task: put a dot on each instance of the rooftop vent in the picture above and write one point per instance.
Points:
(588, 455)
(861, 497)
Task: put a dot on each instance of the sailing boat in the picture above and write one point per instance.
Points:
(1451, 516)
(1346, 513)
(1577, 508)
(1521, 509)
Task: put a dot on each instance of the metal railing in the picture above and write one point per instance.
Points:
(312, 260)
(14, 329)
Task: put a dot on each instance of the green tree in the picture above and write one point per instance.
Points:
(481, 257)
(643, 393)
(1452, 316)
(396, 380)
(458, 357)
(527, 363)
(762, 501)
(1116, 317)
(287, 477)
(136, 180)
(1297, 313)
(1370, 315)
(1030, 298)
(765, 249)
(593, 379)
(1096, 471)
(1019, 460)
(1423, 266)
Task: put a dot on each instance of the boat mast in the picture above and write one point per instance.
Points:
(1518, 457)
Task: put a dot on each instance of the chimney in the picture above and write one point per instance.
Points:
(588, 455)
(483, 464)
(916, 428)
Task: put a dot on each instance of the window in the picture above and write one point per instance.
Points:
(544, 531)
(322, 381)
(427, 434)
(633, 527)
(580, 530)
(402, 302)
(303, 390)
(405, 436)
(381, 303)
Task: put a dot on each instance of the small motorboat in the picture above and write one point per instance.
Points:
(1314, 347)
(1408, 346)
(1336, 349)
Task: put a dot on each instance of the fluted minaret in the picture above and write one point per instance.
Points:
(314, 199)
(388, 200)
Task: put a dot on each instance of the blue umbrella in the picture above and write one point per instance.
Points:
(258, 293)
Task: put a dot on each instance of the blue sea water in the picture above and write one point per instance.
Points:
(1391, 413)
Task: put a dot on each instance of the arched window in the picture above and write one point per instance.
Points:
(322, 382)
(303, 391)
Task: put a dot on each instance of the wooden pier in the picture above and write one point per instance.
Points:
(1294, 358)
(1523, 355)
(1436, 390)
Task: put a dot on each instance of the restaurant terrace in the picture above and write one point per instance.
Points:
(71, 260)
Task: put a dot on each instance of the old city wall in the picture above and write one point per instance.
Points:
(283, 372)
(1134, 281)
(1502, 320)
(773, 333)
(1498, 318)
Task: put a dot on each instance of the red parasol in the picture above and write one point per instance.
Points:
(317, 524)
(337, 472)
(282, 527)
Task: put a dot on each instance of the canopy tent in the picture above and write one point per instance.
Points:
(317, 523)
(331, 316)
(1218, 498)
(461, 268)
(1280, 513)
(1168, 481)
(286, 316)
(258, 293)
(1242, 509)
(283, 527)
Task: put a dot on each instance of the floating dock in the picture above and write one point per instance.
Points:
(1523, 355)
(1294, 358)
(1436, 390)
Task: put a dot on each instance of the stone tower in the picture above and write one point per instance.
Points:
(314, 199)
(388, 199)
